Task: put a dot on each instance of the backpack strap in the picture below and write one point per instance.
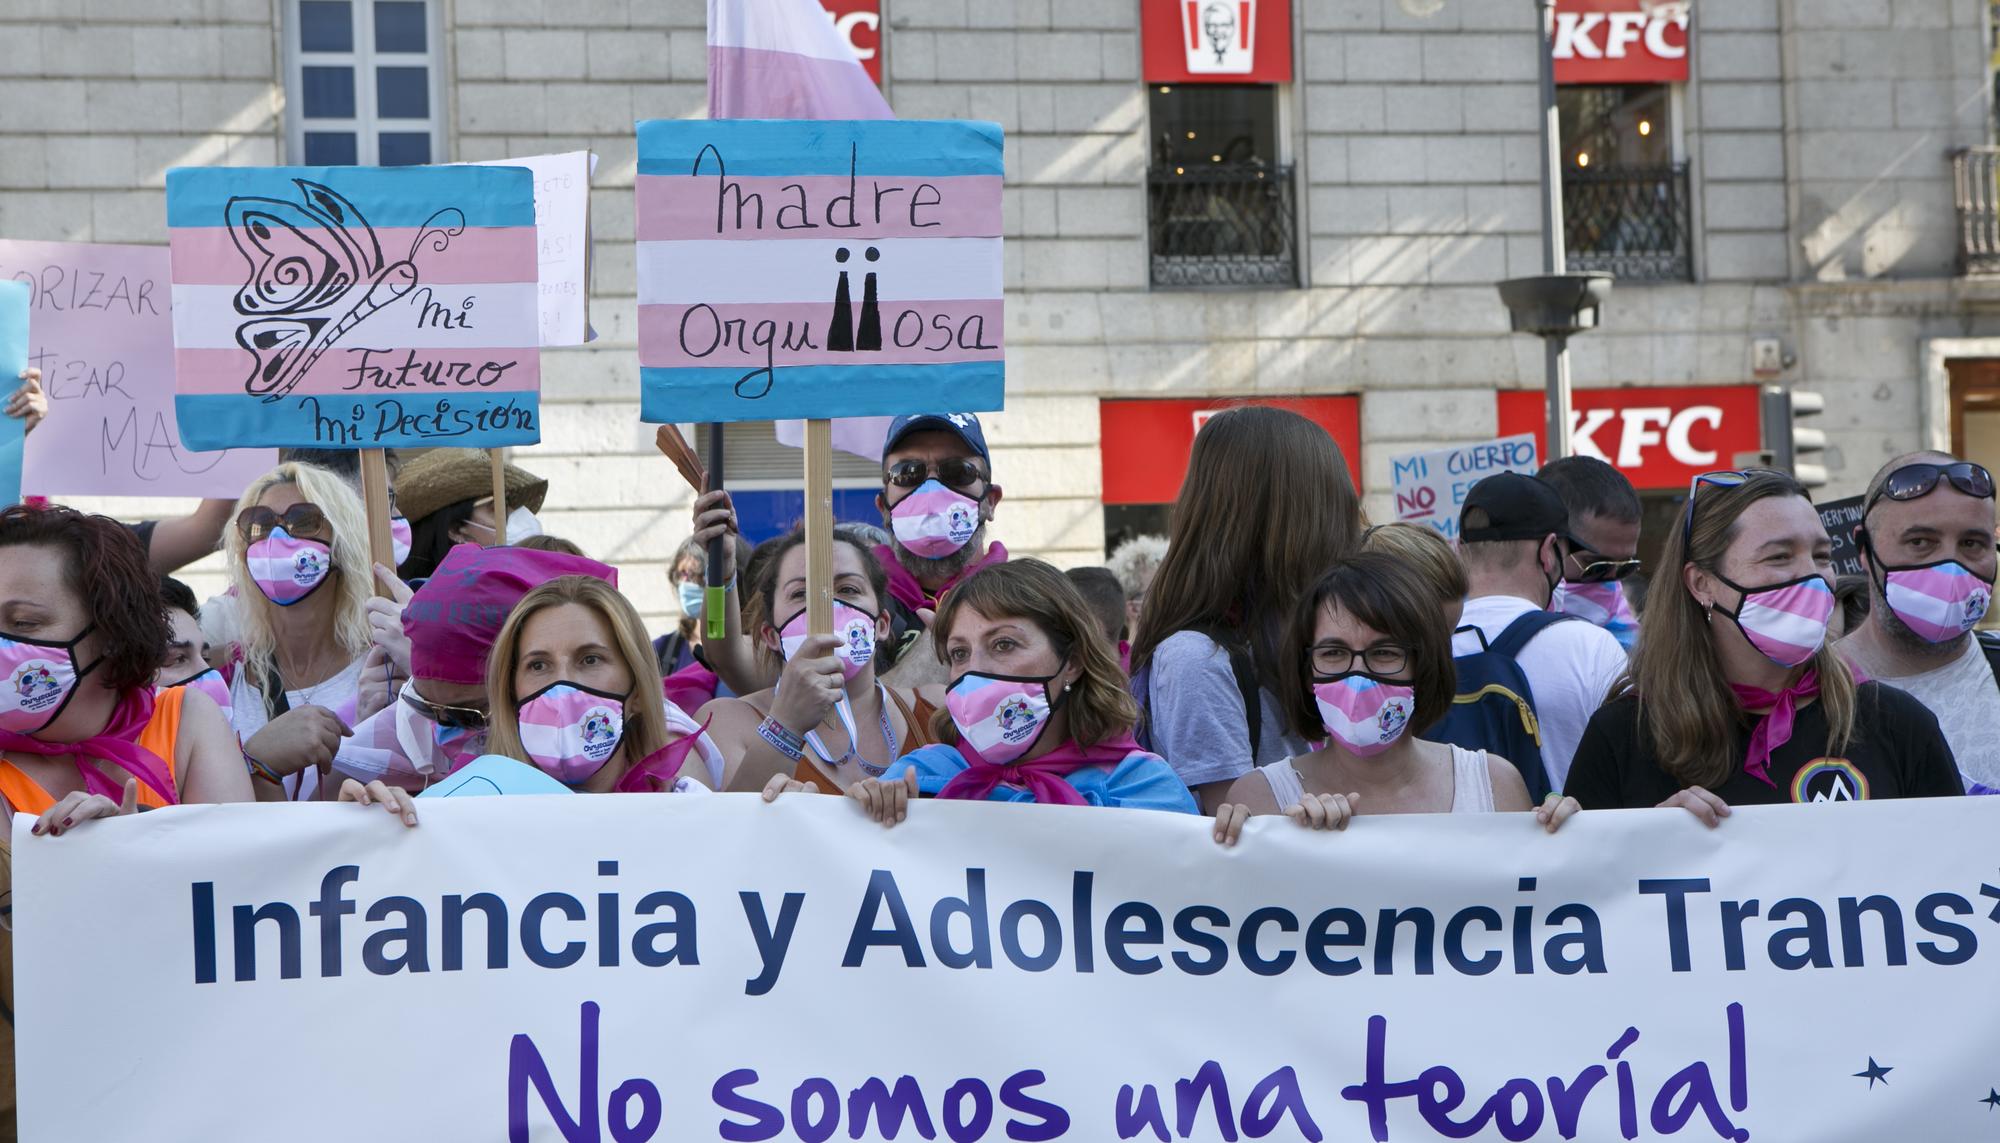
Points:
(1519, 632)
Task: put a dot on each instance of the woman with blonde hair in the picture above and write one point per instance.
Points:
(572, 689)
(1424, 551)
(1733, 695)
(298, 566)
(1037, 709)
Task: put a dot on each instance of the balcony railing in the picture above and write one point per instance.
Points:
(1222, 225)
(1630, 222)
(1973, 177)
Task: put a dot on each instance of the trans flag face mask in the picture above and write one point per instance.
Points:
(287, 569)
(1599, 604)
(854, 628)
(1786, 622)
(39, 680)
(933, 522)
(1363, 713)
(1000, 717)
(1939, 601)
(399, 539)
(571, 731)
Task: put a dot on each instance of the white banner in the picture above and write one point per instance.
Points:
(640, 968)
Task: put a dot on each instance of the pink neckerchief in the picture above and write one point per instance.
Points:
(1775, 728)
(662, 766)
(1043, 777)
(912, 594)
(114, 744)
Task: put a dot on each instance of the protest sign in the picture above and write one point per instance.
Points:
(104, 341)
(1430, 486)
(13, 359)
(1841, 518)
(681, 968)
(562, 241)
(355, 307)
(818, 269)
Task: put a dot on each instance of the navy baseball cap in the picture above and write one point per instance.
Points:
(964, 426)
(1510, 506)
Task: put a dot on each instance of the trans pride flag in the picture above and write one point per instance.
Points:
(355, 307)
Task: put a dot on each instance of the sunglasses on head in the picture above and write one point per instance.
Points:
(1721, 478)
(454, 717)
(1597, 568)
(1915, 481)
(257, 521)
(955, 472)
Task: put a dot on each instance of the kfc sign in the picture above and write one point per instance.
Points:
(1660, 438)
(859, 22)
(1144, 443)
(1217, 41)
(1621, 41)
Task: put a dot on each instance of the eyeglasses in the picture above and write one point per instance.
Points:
(454, 717)
(1338, 658)
(1721, 478)
(1915, 481)
(1596, 568)
(300, 520)
(955, 472)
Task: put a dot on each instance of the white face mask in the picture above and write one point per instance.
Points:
(522, 524)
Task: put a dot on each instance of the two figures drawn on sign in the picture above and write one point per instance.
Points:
(844, 334)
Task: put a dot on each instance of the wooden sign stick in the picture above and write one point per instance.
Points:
(819, 527)
(499, 463)
(375, 493)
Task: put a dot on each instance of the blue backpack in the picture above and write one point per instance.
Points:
(1494, 709)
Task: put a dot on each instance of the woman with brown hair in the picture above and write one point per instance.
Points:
(1266, 509)
(1037, 709)
(1733, 695)
(1371, 668)
(829, 721)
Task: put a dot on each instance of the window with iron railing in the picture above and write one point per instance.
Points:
(1625, 199)
(1220, 205)
(1975, 179)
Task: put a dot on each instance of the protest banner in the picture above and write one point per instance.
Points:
(104, 341)
(1841, 518)
(13, 359)
(682, 968)
(562, 241)
(1430, 486)
(355, 307)
(818, 269)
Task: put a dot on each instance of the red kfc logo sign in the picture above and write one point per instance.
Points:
(1659, 438)
(1221, 36)
(859, 22)
(1621, 41)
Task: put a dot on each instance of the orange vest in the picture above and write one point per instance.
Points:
(161, 736)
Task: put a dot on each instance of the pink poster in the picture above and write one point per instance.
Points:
(103, 335)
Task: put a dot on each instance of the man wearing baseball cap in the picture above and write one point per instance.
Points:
(1511, 539)
(937, 497)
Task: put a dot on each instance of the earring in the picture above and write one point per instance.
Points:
(1066, 688)
(1709, 615)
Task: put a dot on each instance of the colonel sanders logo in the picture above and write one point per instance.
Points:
(1219, 35)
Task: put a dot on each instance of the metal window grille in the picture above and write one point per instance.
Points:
(1975, 178)
(1630, 222)
(1227, 224)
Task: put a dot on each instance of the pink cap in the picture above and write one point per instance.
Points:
(454, 617)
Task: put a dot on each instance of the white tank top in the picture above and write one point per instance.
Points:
(1471, 793)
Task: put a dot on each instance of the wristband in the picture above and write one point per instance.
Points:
(259, 770)
(782, 739)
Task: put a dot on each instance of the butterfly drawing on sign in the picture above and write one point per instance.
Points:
(316, 271)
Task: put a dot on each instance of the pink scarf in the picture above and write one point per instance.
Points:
(114, 744)
(911, 594)
(1042, 777)
(658, 772)
(1775, 728)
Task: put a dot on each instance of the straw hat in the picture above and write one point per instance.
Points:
(444, 476)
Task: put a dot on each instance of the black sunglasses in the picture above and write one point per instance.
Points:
(1915, 481)
(454, 717)
(300, 520)
(1599, 569)
(955, 472)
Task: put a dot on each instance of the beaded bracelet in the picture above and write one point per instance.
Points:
(782, 739)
